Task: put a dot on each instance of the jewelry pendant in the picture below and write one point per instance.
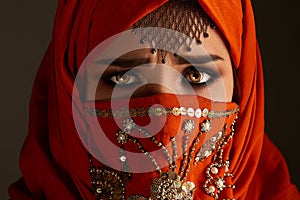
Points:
(169, 187)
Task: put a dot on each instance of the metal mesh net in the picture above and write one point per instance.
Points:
(181, 16)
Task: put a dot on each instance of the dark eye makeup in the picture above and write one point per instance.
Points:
(196, 76)
(199, 76)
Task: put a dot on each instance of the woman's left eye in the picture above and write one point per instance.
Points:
(195, 76)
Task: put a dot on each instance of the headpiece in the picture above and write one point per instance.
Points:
(181, 16)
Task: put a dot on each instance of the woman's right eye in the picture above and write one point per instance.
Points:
(121, 78)
(125, 79)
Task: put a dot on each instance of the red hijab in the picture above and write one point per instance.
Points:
(53, 160)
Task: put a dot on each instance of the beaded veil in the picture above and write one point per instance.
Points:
(185, 157)
(184, 16)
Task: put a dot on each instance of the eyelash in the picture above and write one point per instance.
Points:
(203, 71)
(112, 78)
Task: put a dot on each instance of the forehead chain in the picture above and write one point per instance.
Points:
(185, 18)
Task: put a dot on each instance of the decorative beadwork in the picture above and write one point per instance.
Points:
(183, 111)
(123, 160)
(159, 144)
(205, 112)
(218, 170)
(137, 197)
(186, 17)
(122, 137)
(147, 154)
(190, 112)
(150, 111)
(215, 182)
(188, 126)
(108, 184)
(174, 155)
(208, 147)
(169, 187)
(206, 126)
(185, 165)
(128, 125)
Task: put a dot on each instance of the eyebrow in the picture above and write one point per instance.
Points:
(133, 62)
(125, 62)
(198, 59)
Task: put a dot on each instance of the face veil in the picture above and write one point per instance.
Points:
(165, 141)
(54, 160)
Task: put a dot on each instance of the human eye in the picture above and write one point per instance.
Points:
(126, 79)
(199, 76)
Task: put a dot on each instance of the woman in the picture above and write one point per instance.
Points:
(180, 137)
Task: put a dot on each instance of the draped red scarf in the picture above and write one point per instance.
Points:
(53, 160)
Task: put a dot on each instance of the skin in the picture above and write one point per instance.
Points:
(205, 71)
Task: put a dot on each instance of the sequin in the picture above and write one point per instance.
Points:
(190, 112)
(176, 111)
(98, 190)
(169, 186)
(158, 112)
(208, 147)
(188, 186)
(183, 111)
(205, 112)
(134, 112)
(108, 184)
(188, 126)
(206, 126)
(122, 137)
(198, 113)
(122, 158)
(128, 125)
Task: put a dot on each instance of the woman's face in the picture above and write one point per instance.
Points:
(205, 71)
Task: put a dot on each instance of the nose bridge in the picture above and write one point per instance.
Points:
(156, 88)
(161, 79)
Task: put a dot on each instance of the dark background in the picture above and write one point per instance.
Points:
(26, 31)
